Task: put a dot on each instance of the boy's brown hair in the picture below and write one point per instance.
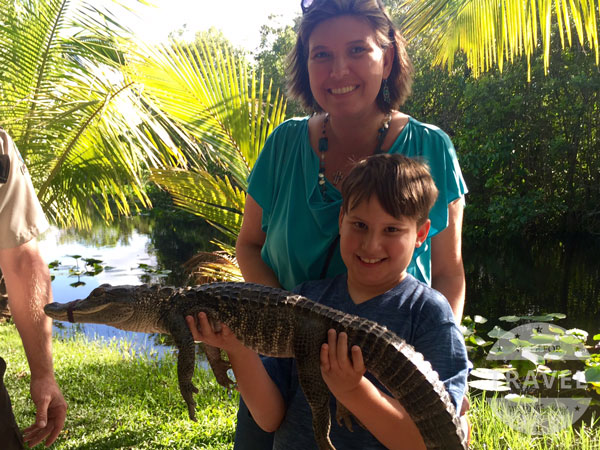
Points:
(402, 185)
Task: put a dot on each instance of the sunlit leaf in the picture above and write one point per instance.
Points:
(571, 340)
(556, 330)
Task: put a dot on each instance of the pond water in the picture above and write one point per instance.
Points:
(515, 278)
(126, 260)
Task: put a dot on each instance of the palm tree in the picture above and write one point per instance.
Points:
(75, 118)
(221, 115)
(492, 31)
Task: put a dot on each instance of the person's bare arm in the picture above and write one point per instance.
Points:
(381, 414)
(447, 271)
(249, 245)
(29, 289)
(254, 383)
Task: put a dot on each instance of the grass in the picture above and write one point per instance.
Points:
(120, 400)
(490, 432)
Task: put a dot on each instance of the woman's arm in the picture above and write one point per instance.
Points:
(447, 271)
(249, 245)
(253, 382)
(382, 415)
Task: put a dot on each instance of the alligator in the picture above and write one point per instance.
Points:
(278, 323)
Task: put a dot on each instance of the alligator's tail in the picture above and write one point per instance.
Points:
(411, 380)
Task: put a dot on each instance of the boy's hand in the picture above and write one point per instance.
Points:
(341, 373)
(222, 337)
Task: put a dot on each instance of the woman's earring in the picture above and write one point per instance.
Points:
(386, 91)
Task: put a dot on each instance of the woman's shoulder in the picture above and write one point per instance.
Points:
(427, 130)
(285, 140)
(295, 126)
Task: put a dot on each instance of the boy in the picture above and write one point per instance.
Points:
(386, 200)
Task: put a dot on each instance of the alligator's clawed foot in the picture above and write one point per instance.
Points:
(219, 366)
(187, 391)
(343, 415)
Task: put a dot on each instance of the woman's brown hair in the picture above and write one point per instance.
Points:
(400, 79)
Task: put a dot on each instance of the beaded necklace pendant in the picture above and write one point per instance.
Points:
(324, 146)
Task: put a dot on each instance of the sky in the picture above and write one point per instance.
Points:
(239, 20)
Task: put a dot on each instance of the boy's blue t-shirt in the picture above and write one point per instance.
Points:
(415, 312)
(301, 225)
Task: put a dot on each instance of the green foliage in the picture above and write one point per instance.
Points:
(531, 359)
(276, 42)
(490, 32)
(71, 112)
(528, 150)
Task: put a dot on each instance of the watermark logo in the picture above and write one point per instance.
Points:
(528, 348)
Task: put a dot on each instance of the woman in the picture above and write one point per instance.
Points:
(349, 65)
(351, 68)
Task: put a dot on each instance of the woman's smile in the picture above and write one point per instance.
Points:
(343, 90)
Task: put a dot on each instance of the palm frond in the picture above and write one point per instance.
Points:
(81, 126)
(493, 31)
(213, 97)
(213, 198)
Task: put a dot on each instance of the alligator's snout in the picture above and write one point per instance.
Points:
(90, 310)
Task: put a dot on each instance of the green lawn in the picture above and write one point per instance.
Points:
(118, 400)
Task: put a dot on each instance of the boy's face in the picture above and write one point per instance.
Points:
(377, 247)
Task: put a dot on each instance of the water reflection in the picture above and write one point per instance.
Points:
(523, 277)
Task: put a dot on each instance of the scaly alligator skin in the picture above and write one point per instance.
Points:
(277, 323)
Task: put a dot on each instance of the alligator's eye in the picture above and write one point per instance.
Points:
(98, 291)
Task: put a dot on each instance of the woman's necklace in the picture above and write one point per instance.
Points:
(324, 146)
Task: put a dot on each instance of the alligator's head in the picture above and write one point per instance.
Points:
(131, 308)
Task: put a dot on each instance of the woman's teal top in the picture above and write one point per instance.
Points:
(300, 225)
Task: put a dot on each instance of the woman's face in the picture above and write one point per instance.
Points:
(346, 66)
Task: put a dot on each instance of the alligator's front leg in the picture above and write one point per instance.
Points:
(315, 390)
(186, 359)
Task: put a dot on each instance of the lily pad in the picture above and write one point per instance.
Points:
(521, 399)
(499, 333)
(571, 340)
(489, 385)
(510, 318)
(556, 330)
(592, 375)
(533, 357)
(556, 355)
(558, 315)
(488, 374)
(543, 338)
